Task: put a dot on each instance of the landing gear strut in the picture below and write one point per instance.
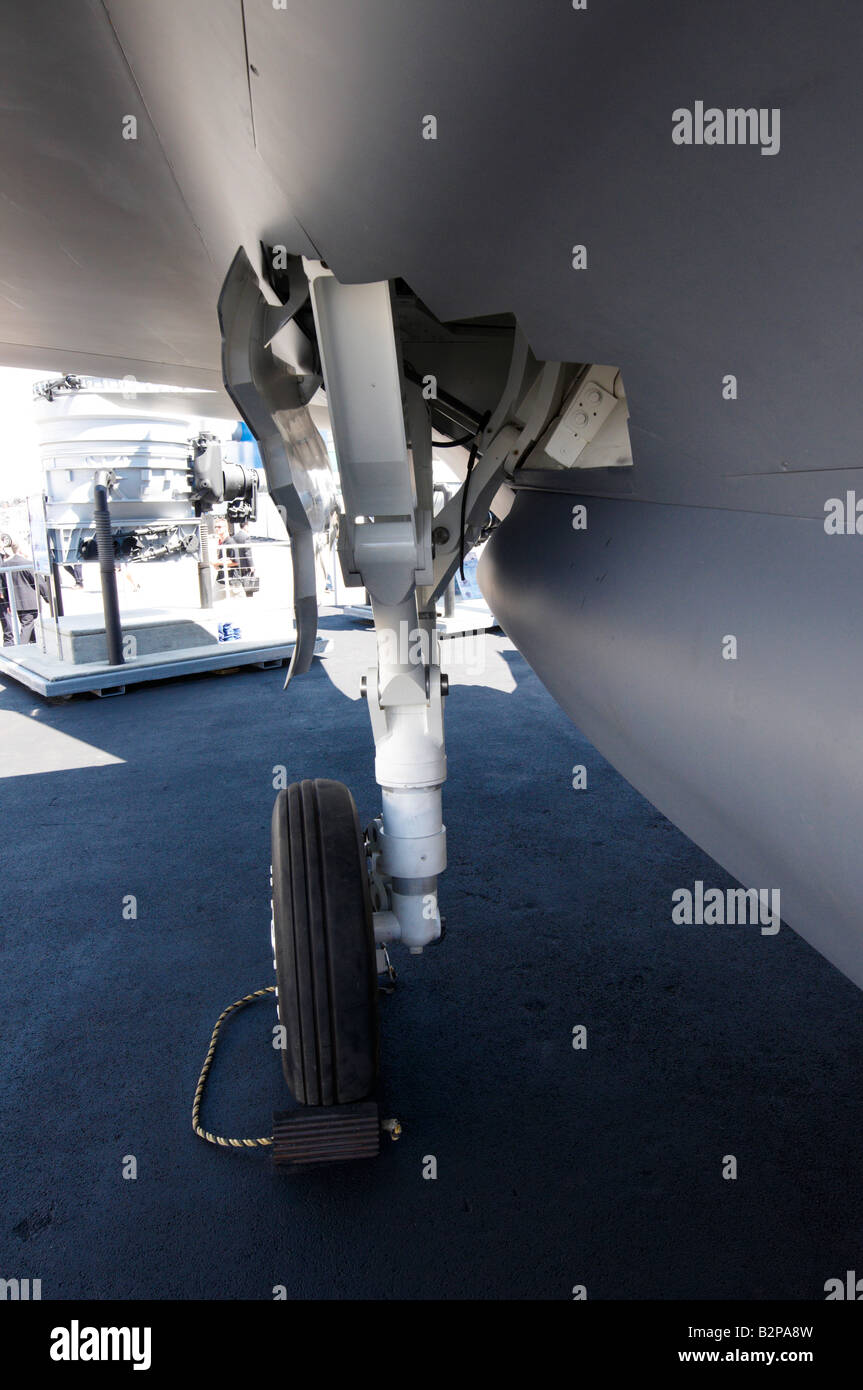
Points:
(338, 902)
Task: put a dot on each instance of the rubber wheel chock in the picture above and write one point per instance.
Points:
(326, 1134)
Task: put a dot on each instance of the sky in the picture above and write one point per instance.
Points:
(20, 473)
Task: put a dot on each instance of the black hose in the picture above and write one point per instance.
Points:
(452, 443)
(108, 575)
(470, 463)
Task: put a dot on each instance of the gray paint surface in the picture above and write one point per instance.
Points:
(759, 758)
(303, 126)
(101, 268)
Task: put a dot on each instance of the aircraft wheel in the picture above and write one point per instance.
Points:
(323, 945)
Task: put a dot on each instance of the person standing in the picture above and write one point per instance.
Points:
(225, 560)
(241, 546)
(6, 553)
(23, 588)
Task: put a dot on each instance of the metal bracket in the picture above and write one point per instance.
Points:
(591, 430)
(263, 386)
(385, 531)
(530, 400)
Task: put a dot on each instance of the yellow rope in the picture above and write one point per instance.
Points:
(208, 1061)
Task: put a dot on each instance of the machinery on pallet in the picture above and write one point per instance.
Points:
(132, 477)
(123, 450)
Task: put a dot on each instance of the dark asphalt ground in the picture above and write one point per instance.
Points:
(556, 1167)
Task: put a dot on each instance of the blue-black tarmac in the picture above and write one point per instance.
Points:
(556, 1167)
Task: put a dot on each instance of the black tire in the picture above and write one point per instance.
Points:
(324, 947)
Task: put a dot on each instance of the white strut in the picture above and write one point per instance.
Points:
(385, 544)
